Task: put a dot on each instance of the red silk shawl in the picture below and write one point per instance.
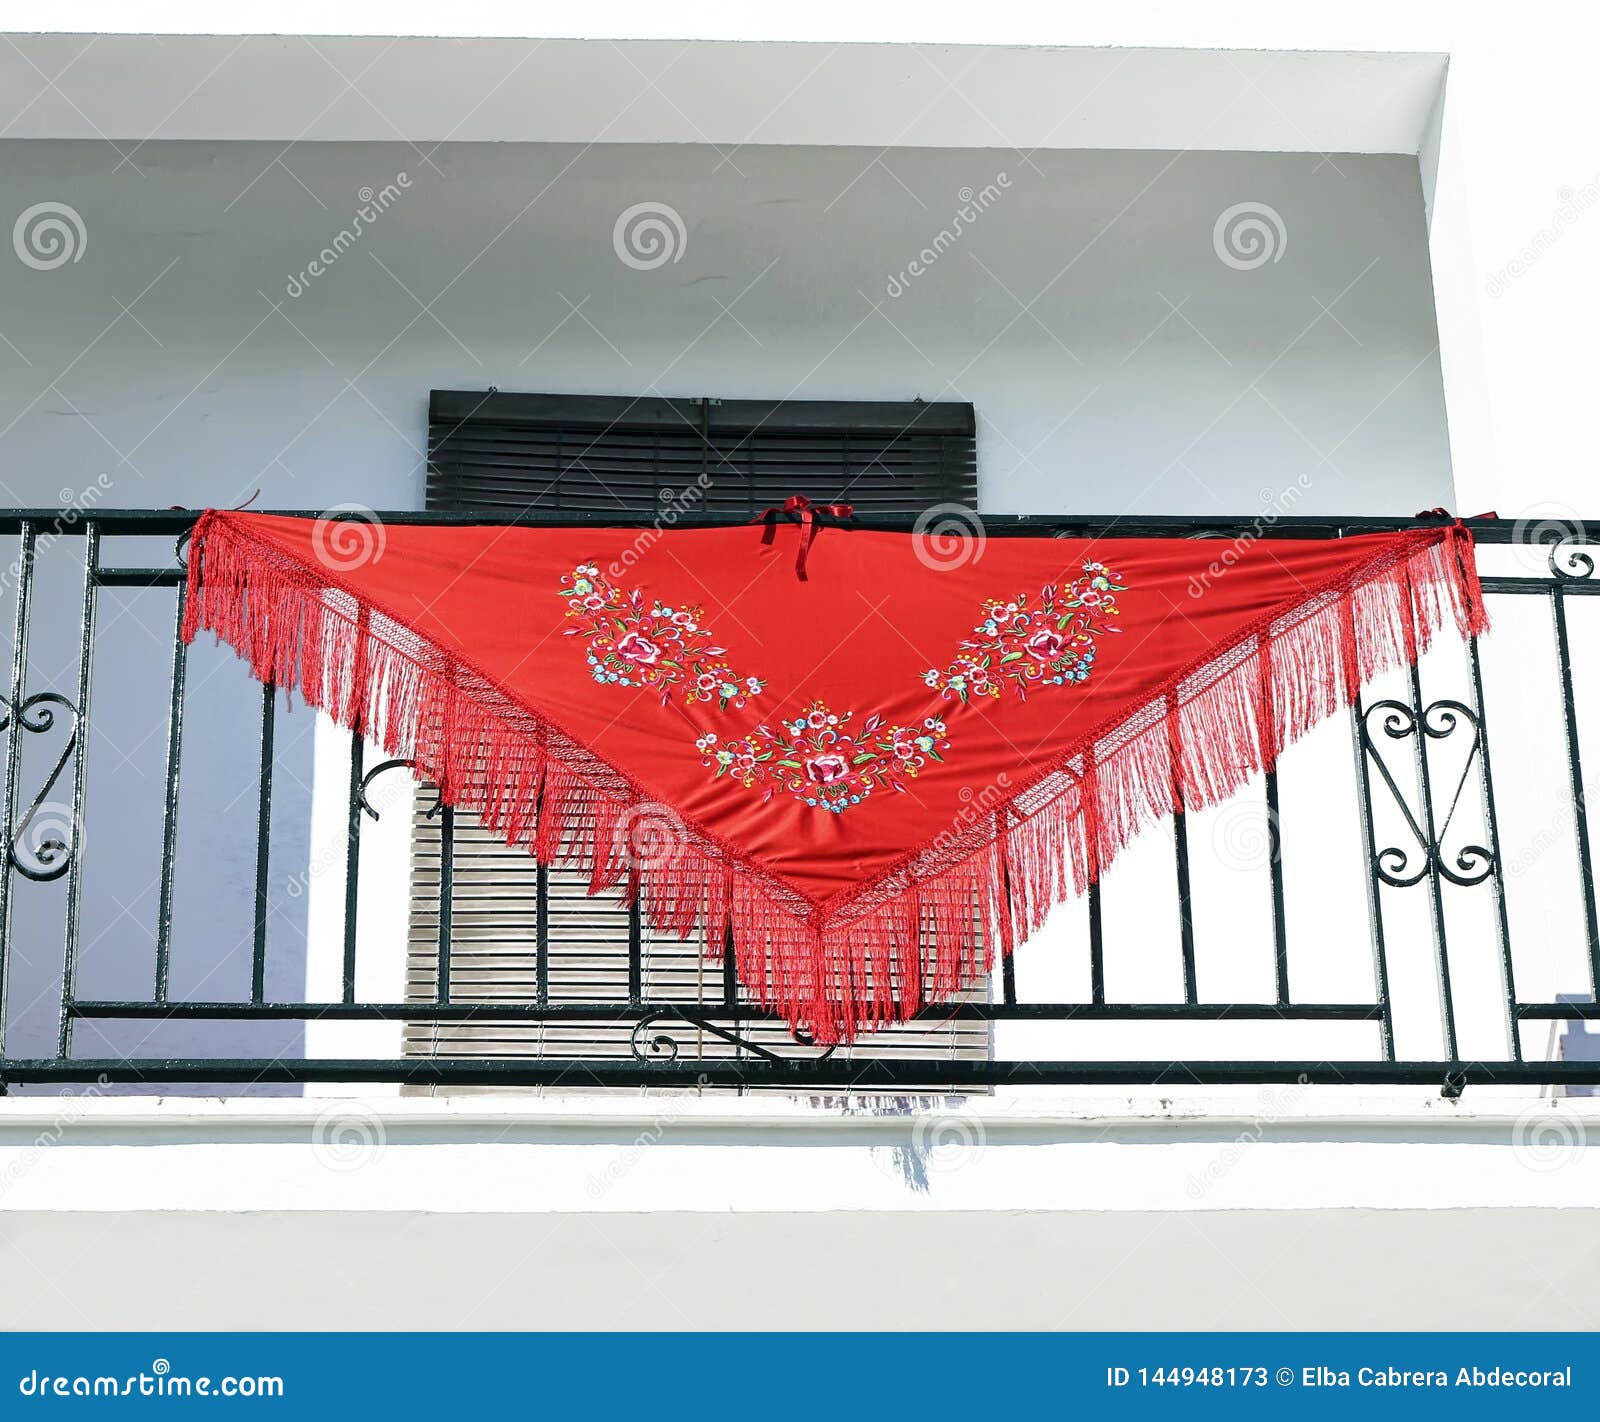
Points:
(865, 780)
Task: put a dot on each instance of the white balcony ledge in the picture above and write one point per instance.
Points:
(1277, 1107)
(669, 1155)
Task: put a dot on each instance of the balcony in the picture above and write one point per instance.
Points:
(1343, 270)
(205, 891)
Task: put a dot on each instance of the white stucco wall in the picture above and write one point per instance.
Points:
(1259, 1270)
(1116, 362)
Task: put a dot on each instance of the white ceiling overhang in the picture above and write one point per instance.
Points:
(307, 88)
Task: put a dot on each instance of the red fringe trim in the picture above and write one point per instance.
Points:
(925, 930)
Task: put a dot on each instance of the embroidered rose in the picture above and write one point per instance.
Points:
(825, 762)
(635, 648)
(825, 769)
(1029, 641)
(1046, 644)
(636, 641)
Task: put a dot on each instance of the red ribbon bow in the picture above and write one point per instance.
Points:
(807, 511)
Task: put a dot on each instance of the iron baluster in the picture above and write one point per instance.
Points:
(1580, 815)
(1180, 848)
(8, 795)
(169, 816)
(542, 942)
(1097, 930)
(1491, 825)
(1008, 961)
(69, 964)
(352, 868)
(447, 881)
(1380, 955)
(258, 947)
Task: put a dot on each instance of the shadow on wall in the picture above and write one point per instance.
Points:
(1578, 1043)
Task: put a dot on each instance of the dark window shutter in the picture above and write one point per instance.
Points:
(503, 454)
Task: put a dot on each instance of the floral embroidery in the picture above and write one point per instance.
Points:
(1051, 643)
(635, 643)
(819, 757)
(821, 761)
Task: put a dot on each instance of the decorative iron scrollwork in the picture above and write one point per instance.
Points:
(663, 1047)
(45, 838)
(1402, 866)
(1569, 563)
(368, 808)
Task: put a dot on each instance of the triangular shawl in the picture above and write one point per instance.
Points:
(864, 780)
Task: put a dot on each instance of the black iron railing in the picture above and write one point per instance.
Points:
(1425, 822)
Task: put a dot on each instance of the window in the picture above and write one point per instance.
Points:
(610, 456)
(502, 454)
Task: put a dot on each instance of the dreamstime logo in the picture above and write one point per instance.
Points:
(973, 204)
(74, 1103)
(1275, 504)
(347, 1137)
(348, 536)
(1573, 205)
(1555, 830)
(160, 1381)
(1244, 834)
(948, 1141)
(373, 205)
(49, 235)
(649, 836)
(948, 536)
(945, 1136)
(977, 806)
(74, 504)
(649, 235)
(1551, 528)
(1546, 1140)
(381, 796)
(1273, 1102)
(675, 504)
(46, 840)
(1249, 235)
(600, 1182)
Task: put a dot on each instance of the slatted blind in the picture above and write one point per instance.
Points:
(504, 454)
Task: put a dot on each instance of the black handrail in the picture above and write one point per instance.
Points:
(68, 522)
